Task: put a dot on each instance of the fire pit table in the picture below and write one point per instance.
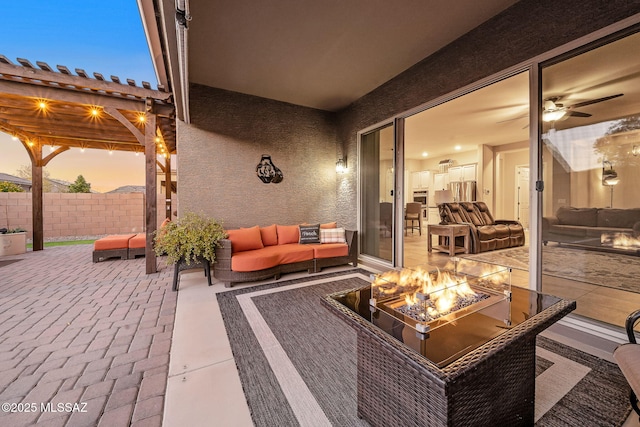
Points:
(471, 363)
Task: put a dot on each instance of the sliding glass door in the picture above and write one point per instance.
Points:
(591, 201)
(377, 186)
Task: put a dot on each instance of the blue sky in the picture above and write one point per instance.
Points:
(97, 36)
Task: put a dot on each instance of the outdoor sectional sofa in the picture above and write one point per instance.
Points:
(586, 225)
(486, 233)
(259, 253)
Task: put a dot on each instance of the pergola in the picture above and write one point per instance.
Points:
(41, 106)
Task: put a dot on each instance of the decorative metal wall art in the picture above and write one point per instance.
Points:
(267, 171)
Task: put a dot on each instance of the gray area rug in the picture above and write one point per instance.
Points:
(599, 268)
(321, 352)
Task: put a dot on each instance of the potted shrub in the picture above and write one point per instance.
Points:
(189, 242)
(13, 241)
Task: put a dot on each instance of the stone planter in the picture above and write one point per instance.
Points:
(13, 244)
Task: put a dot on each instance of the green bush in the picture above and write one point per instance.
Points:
(10, 187)
(191, 237)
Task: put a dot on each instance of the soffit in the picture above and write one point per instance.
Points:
(322, 55)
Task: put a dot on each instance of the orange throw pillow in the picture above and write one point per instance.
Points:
(288, 234)
(333, 224)
(269, 235)
(245, 239)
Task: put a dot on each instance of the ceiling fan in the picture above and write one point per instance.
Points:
(554, 111)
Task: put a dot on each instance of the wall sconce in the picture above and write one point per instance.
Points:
(341, 166)
(609, 176)
(635, 150)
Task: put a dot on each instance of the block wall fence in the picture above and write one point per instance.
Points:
(70, 215)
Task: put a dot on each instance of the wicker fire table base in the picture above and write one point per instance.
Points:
(491, 384)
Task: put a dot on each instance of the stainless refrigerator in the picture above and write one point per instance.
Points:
(463, 191)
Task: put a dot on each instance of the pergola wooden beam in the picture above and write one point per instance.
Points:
(65, 121)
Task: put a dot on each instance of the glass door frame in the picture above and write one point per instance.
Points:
(536, 188)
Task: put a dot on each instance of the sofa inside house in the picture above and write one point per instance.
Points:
(258, 253)
(586, 226)
(486, 233)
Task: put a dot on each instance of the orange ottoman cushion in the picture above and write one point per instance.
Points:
(116, 241)
(138, 241)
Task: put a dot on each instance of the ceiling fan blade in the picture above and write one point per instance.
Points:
(595, 101)
(578, 114)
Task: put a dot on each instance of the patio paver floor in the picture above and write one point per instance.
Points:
(92, 337)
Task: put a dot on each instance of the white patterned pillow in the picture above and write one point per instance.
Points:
(332, 235)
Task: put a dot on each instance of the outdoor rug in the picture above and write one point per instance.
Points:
(297, 361)
(599, 268)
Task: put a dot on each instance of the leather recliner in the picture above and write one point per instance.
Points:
(487, 234)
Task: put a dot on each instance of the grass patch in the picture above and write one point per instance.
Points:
(65, 243)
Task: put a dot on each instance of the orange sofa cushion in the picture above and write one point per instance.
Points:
(288, 234)
(138, 241)
(245, 239)
(269, 235)
(333, 224)
(270, 256)
(329, 250)
(115, 241)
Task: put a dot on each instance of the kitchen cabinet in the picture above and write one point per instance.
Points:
(440, 181)
(468, 173)
(434, 216)
(462, 173)
(425, 179)
(455, 174)
(415, 180)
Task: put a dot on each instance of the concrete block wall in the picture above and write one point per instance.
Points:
(220, 149)
(79, 214)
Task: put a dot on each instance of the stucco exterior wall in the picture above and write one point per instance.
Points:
(527, 29)
(221, 147)
(78, 214)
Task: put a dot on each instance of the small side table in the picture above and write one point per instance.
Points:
(451, 231)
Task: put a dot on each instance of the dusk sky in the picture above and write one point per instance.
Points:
(96, 36)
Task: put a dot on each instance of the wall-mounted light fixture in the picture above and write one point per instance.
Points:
(635, 150)
(341, 166)
(609, 178)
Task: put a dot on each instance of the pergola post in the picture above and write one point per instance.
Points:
(168, 185)
(151, 217)
(37, 217)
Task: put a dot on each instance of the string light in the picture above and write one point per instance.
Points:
(142, 118)
(42, 105)
(94, 112)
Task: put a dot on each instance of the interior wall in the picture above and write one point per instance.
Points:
(220, 149)
(525, 30)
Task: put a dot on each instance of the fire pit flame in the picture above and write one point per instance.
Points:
(444, 292)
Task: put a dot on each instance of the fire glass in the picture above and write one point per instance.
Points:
(426, 299)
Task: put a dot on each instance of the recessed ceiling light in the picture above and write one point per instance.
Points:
(458, 148)
(425, 154)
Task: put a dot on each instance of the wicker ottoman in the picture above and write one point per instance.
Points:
(114, 246)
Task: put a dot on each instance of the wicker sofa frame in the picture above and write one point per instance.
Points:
(491, 385)
(222, 266)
